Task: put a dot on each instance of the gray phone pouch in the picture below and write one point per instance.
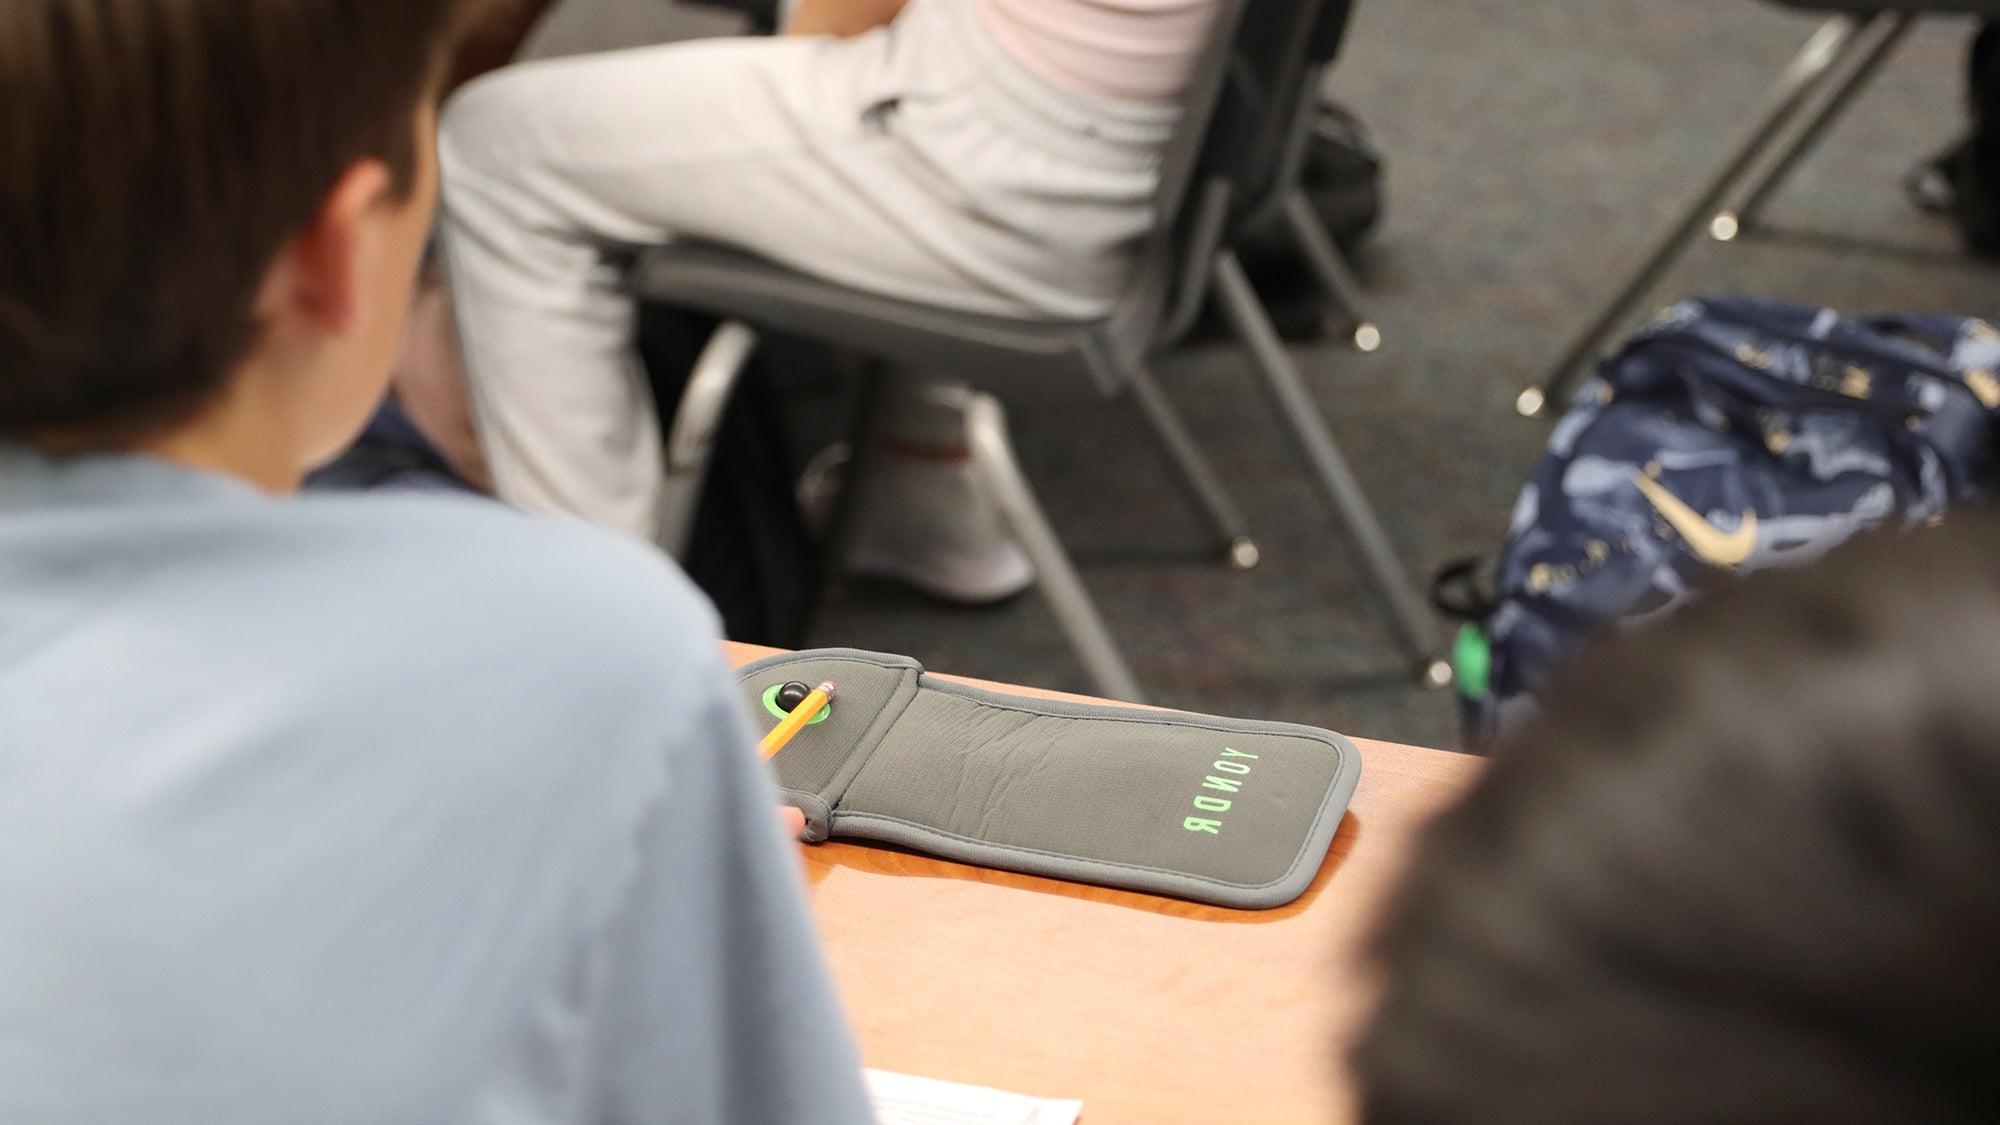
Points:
(1223, 811)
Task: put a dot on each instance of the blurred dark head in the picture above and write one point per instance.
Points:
(155, 156)
(1747, 868)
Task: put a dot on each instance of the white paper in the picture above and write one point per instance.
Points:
(901, 1099)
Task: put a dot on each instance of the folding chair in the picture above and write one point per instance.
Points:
(1046, 359)
(1821, 81)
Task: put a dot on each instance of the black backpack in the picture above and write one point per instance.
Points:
(751, 550)
(1342, 176)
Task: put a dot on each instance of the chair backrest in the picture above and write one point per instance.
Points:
(1240, 114)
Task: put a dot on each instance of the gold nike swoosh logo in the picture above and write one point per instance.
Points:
(1714, 545)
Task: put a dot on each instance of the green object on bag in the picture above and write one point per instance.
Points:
(1472, 660)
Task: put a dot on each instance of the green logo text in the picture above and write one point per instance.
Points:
(1230, 770)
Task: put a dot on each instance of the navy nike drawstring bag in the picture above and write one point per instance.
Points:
(1731, 435)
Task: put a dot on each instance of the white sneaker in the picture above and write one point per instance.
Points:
(926, 523)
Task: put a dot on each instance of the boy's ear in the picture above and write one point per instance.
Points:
(316, 275)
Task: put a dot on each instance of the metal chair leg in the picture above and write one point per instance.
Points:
(1197, 476)
(1878, 39)
(993, 458)
(1801, 77)
(1408, 615)
(691, 438)
(1330, 267)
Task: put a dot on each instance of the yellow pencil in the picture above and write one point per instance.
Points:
(797, 720)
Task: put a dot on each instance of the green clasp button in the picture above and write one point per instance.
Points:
(771, 705)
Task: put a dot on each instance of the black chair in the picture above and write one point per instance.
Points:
(1236, 116)
(1259, 134)
(1821, 81)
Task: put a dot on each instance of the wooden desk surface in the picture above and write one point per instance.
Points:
(1149, 1009)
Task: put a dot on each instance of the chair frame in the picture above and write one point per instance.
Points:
(1324, 258)
(1162, 309)
(1821, 81)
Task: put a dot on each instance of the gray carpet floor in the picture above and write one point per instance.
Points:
(1533, 146)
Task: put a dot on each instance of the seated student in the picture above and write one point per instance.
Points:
(349, 809)
(1743, 871)
(996, 156)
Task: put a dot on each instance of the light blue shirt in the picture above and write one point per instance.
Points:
(370, 809)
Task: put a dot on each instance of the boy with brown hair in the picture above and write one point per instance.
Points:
(383, 809)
